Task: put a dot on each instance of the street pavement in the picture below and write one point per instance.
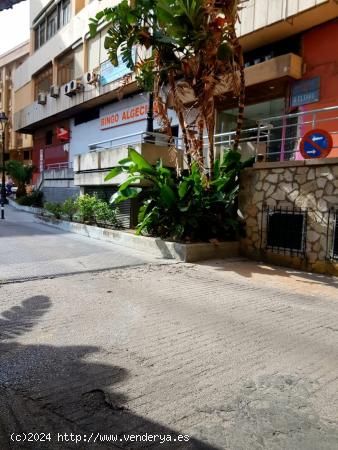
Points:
(231, 355)
(30, 249)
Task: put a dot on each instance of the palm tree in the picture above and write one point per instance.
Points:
(21, 174)
(194, 49)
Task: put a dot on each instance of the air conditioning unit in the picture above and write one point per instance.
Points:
(91, 77)
(42, 98)
(72, 87)
(54, 91)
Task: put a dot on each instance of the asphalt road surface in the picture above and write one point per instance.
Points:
(99, 343)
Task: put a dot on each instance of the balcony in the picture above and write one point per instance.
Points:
(277, 140)
(266, 21)
(91, 168)
(35, 115)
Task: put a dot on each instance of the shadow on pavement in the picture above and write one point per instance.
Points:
(49, 389)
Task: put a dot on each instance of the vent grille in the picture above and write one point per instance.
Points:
(126, 210)
(286, 230)
(124, 213)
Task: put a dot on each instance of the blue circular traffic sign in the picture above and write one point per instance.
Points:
(316, 144)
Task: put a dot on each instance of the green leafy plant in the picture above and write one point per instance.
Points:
(186, 51)
(21, 174)
(34, 199)
(105, 215)
(187, 207)
(86, 208)
(69, 208)
(54, 208)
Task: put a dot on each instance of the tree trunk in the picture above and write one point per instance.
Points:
(21, 191)
(241, 97)
(209, 118)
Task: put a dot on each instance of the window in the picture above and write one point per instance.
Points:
(43, 81)
(26, 155)
(49, 137)
(52, 22)
(278, 138)
(66, 68)
(36, 38)
(42, 34)
(286, 230)
(261, 54)
(65, 13)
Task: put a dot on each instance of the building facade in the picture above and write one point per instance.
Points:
(68, 81)
(68, 84)
(17, 145)
(289, 199)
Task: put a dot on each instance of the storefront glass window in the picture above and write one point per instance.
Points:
(278, 139)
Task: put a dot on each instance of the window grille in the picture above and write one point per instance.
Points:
(335, 237)
(286, 230)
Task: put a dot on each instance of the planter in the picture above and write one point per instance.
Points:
(28, 209)
(151, 245)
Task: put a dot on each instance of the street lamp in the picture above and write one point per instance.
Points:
(3, 122)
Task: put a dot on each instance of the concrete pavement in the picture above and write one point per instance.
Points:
(29, 249)
(236, 355)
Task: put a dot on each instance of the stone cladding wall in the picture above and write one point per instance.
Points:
(302, 184)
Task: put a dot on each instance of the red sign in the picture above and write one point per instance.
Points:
(316, 144)
(62, 134)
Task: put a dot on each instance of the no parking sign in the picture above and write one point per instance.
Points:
(316, 144)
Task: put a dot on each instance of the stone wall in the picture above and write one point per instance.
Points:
(311, 184)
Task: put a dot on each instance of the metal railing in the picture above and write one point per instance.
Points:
(278, 138)
(136, 139)
(59, 166)
(332, 235)
(275, 138)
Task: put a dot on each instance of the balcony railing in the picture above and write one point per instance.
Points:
(104, 155)
(59, 166)
(274, 139)
(135, 139)
(278, 138)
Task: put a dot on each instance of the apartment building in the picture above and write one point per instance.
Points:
(72, 99)
(58, 87)
(83, 111)
(17, 145)
(289, 200)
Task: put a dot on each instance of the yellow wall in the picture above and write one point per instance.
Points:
(23, 97)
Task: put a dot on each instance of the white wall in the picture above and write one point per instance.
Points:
(255, 15)
(258, 14)
(63, 40)
(78, 61)
(90, 132)
(97, 54)
(35, 6)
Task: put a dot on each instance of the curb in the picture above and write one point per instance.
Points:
(27, 209)
(154, 246)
